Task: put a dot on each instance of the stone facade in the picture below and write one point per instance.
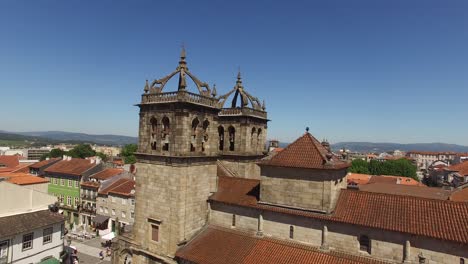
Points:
(385, 245)
(119, 208)
(309, 189)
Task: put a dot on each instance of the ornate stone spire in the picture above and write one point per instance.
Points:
(263, 105)
(146, 87)
(182, 67)
(239, 78)
(213, 92)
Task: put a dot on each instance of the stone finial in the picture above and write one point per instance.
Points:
(307, 129)
(146, 89)
(213, 92)
(239, 78)
(263, 105)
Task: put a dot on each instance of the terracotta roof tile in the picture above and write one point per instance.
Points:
(90, 184)
(216, 245)
(461, 168)
(305, 152)
(27, 180)
(106, 174)
(9, 161)
(400, 213)
(122, 186)
(411, 190)
(72, 167)
(43, 163)
(460, 195)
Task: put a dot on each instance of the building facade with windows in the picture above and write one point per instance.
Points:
(29, 231)
(65, 177)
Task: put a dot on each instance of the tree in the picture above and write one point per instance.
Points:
(128, 153)
(54, 153)
(82, 151)
(102, 156)
(359, 166)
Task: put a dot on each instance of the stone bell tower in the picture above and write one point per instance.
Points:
(177, 154)
(183, 137)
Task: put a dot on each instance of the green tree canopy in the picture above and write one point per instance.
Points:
(128, 153)
(82, 151)
(400, 167)
(54, 153)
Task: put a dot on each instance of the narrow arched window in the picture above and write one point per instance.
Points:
(221, 137)
(166, 130)
(232, 138)
(291, 232)
(233, 220)
(364, 244)
(253, 138)
(260, 144)
(205, 126)
(193, 136)
(153, 133)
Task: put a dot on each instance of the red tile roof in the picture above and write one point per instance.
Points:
(444, 220)
(72, 167)
(43, 163)
(216, 245)
(106, 174)
(461, 168)
(358, 178)
(305, 152)
(411, 190)
(122, 186)
(27, 180)
(460, 195)
(9, 161)
(90, 184)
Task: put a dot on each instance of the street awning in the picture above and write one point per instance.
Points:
(99, 219)
(109, 236)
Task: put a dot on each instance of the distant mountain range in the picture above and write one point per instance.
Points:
(50, 137)
(384, 147)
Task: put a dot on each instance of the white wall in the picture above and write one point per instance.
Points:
(17, 199)
(39, 250)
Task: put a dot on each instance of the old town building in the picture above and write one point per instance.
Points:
(204, 194)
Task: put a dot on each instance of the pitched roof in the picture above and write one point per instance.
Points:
(90, 184)
(106, 174)
(306, 152)
(358, 178)
(216, 245)
(460, 195)
(73, 166)
(401, 213)
(122, 186)
(20, 223)
(461, 168)
(43, 163)
(411, 190)
(26, 179)
(9, 161)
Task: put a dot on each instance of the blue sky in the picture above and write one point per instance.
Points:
(381, 71)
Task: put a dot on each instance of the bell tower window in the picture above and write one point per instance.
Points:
(260, 144)
(154, 133)
(165, 133)
(253, 139)
(221, 137)
(193, 136)
(232, 138)
(206, 124)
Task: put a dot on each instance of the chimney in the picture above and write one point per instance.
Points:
(398, 181)
(98, 160)
(64, 157)
(47, 158)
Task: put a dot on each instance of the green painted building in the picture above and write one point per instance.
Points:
(64, 183)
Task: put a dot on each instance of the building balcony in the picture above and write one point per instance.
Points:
(91, 211)
(88, 197)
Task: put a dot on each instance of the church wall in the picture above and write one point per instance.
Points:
(301, 188)
(385, 245)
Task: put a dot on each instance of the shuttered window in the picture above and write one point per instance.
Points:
(155, 233)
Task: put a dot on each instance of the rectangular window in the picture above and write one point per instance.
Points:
(47, 235)
(28, 241)
(132, 215)
(77, 201)
(77, 184)
(62, 182)
(155, 233)
(133, 201)
(56, 181)
(124, 202)
(113, 211)
(3, 251)
(69, 200)
(70, 183)
(123, 214)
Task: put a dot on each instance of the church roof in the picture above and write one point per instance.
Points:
(400, 213)
(306, 152)
(216, 245)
